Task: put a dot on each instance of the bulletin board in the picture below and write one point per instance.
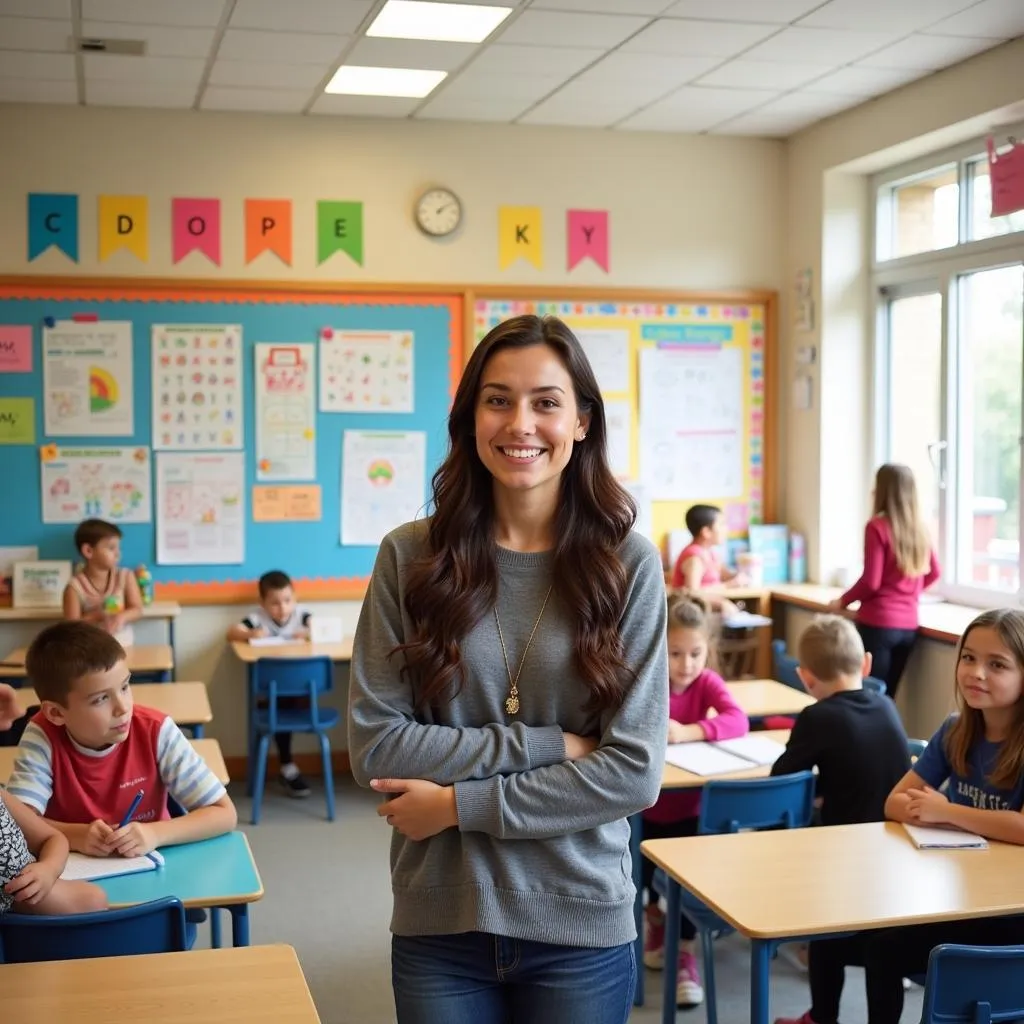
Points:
(310, 551)
(688, 382)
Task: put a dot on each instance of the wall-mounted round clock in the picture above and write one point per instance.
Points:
(438, 212)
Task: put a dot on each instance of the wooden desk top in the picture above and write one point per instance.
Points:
(679, 778)
(245, 985)
(140, 658)
(186, 703)
(156, 610)
(820, 881)
(208, 749)
(246, 653)
(761, 697)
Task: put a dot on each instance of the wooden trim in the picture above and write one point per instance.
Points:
(551, 292)
(192, 593)
(309, 764)
(772, 464)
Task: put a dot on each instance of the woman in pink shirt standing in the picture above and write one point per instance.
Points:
(899, 563)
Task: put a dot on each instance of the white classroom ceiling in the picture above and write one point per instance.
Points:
(735, 67)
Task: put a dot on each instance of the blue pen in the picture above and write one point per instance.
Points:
(134, 807)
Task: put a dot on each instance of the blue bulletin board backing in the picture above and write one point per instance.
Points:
(311, 552)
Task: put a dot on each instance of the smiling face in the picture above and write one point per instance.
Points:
(687, 656)
(987, 673)
(98, 708)
(527, 419)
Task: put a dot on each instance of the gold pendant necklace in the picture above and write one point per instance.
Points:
(512, 700)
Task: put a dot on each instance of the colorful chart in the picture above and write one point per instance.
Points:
(102, 390)
(381, 473)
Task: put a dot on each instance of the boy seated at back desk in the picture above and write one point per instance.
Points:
(90, 751)
(278, 615)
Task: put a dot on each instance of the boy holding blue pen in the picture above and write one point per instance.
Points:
(101, 769)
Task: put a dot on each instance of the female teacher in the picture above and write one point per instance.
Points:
(509, 691)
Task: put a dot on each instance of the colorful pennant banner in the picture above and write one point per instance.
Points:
(587, 235)
(124, 224)
(195, 225)
(520, 235)
(339, 228)
(268, 228)
(52, 220)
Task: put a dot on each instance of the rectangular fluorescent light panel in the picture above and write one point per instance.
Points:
(454, 23)
(358, 81)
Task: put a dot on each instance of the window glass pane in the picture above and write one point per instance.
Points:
(988, 491)
(982, 224)
(925, 213)
(915, 394)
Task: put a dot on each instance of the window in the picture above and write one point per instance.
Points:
(950, 367)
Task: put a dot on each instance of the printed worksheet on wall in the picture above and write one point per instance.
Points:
(101, 483)
(285, 412)
(197, 387)
(618, 419)
(366, 371)
(383, 482)
(691, 422)
(608, 352)
(87, 379)
(200, 508)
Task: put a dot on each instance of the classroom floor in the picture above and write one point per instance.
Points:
(327, 894)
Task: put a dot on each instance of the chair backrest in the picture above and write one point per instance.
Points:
(157, 927)
(737, 653)
(916, 747)
(784, 666)
(974, 985)
(293, 677)
(783, 801)
(874, 685)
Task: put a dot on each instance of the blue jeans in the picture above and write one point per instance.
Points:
(477, 978)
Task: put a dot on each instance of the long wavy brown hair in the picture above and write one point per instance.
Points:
(451, 588)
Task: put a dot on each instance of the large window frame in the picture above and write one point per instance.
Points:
(939, 271)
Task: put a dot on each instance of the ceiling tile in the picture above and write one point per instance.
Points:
(338, 16)
(818, 104)
(525, 88)
(786, 114)
(160, 41)
(903, 17)
(470, 108)
(650, 7)
(695, 109)
(36, 9)
(410, 53)
(927, 53)
(561, 61)
(688, 38)
(182, 13)
(365, 106)
(575, 105)
(776, 12)
(763, 74)
(284, 47)
(998, 19)
(667, 72)
(831, 45)
(140, 94)
(556, 28)
(767, 126)
(267, 75)
(22, 90)
(108, 67)
(43, 67)
(289, 101)
(35, 34)
(862, 81)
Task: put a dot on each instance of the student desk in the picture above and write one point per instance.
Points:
(210, 874)
(208, 750)
(145, 659)
(760, 698)
(187, 703)
(805, 883)
(255, 985)
(168, 610)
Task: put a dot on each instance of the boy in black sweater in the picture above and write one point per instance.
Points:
(857, 743)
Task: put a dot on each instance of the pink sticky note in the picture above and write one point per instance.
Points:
(15, 348)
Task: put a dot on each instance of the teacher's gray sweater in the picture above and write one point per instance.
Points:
(542, 847)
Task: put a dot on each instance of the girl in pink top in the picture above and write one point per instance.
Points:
(694, 689)
(899, 563)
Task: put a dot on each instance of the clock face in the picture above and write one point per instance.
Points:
(438, 212)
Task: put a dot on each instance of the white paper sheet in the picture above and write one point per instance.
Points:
(366, 371)
(200, 508)
(608, 352)
(285, 412)
(705, 759)
(87, 379)
(383, 482)
(105, 483)
(925, 838)
(619, 423)
(81, 868)
(756, 749)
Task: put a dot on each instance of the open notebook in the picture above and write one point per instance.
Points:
(725, 756)
(269, 641)
(81, 868)
(925, 837)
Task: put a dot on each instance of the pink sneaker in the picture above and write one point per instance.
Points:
(654, 939)
(805, 1019)
(689, 991)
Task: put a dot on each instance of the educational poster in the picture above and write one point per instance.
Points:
(289, 504)
(87, 379)
(95, 483)
(15, 348)
(285, 412)
(618, 417)
(17, 421)
(609, 354)
(8, 557)
(366, 371)
(200, 508)
(691, 440)
(383, 482)
(197, 387)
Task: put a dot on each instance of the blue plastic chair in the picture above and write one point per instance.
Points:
(784, 666)
(974, 985)
(916, 748)
(782, 801)
(156, 927)
(273, 679)
(875, 685)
